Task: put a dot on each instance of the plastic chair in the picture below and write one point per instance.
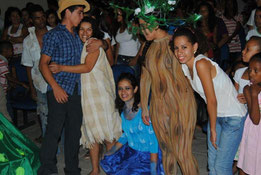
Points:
(20, 98)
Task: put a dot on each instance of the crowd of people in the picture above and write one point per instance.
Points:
(138, 78)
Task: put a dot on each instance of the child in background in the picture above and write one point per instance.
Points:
(250, 153)
(256, 31)
(253, 46)
(136, 151)
(6, 52)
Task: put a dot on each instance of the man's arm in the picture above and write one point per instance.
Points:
(59, 94)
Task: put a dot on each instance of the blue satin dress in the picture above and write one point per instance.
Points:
(133, 158)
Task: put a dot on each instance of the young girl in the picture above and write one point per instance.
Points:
(136, 152)
(241, 77)
(250, 153)
(226, 114)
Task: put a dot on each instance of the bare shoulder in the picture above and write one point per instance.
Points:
(203, 65)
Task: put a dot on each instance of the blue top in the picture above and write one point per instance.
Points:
(65, 49)
(138, 135)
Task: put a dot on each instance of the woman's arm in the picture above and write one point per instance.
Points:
(86, 67)
(19, 39)
(145, 84)
(134, 61)
(116, 52)
(109, 52)
(204, 72)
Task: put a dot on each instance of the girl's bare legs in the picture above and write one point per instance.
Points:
(109, 145)
(94, 154)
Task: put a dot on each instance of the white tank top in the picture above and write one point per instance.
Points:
(226, 94)
(18, 47)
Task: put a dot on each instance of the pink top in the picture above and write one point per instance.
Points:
(250, 147)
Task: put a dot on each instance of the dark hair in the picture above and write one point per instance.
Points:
(5, 45)
(29, 5)
(119, 103)
(97, 33)
(211, 16)
(256, 39)
(228, 9)
(49, 12)
(8, 13)
(193, 36)
(256, 57)
(35, 8)
(71, 8)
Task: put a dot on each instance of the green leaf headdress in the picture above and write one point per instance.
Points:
(154, 13)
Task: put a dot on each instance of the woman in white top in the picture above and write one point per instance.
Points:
(127, 45)
(226, 114)
(16, 32)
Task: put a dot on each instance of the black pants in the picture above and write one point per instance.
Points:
(69, 116)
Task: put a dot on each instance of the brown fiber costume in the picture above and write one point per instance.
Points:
(172, 107)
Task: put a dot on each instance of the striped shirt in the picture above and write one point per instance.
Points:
(64, 49)
(234, 45)
(3, 71)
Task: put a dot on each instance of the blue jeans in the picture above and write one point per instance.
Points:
(229, 132)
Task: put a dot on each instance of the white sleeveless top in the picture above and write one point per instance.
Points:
(226, 94)
(18, 48)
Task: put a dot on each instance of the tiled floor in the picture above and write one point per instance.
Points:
(199, 150)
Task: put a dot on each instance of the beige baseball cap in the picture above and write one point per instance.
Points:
(63, 4)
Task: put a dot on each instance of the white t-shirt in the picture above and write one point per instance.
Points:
(128, 45)
(238, 79)
(107, 36)
(251, 33)
(226, 94)
(31, 56)
(251, 20)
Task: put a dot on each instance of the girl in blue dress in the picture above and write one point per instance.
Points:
(137, 150)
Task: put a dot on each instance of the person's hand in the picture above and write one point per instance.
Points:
(255, 89)
(241, 98)
(33, 94)
(112, 150)
(93, 45)
(54, 67)
(60, 94)
(25, 86)
(146, 119)
(213, 138)
(153, 168)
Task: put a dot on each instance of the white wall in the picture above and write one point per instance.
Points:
(4, 4)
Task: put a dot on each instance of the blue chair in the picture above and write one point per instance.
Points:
(118, 69)
(20, 98)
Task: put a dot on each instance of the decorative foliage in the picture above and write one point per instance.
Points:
(154, 13)
(21, 152)
(1, 135)
(3, 158)
(20, 171)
